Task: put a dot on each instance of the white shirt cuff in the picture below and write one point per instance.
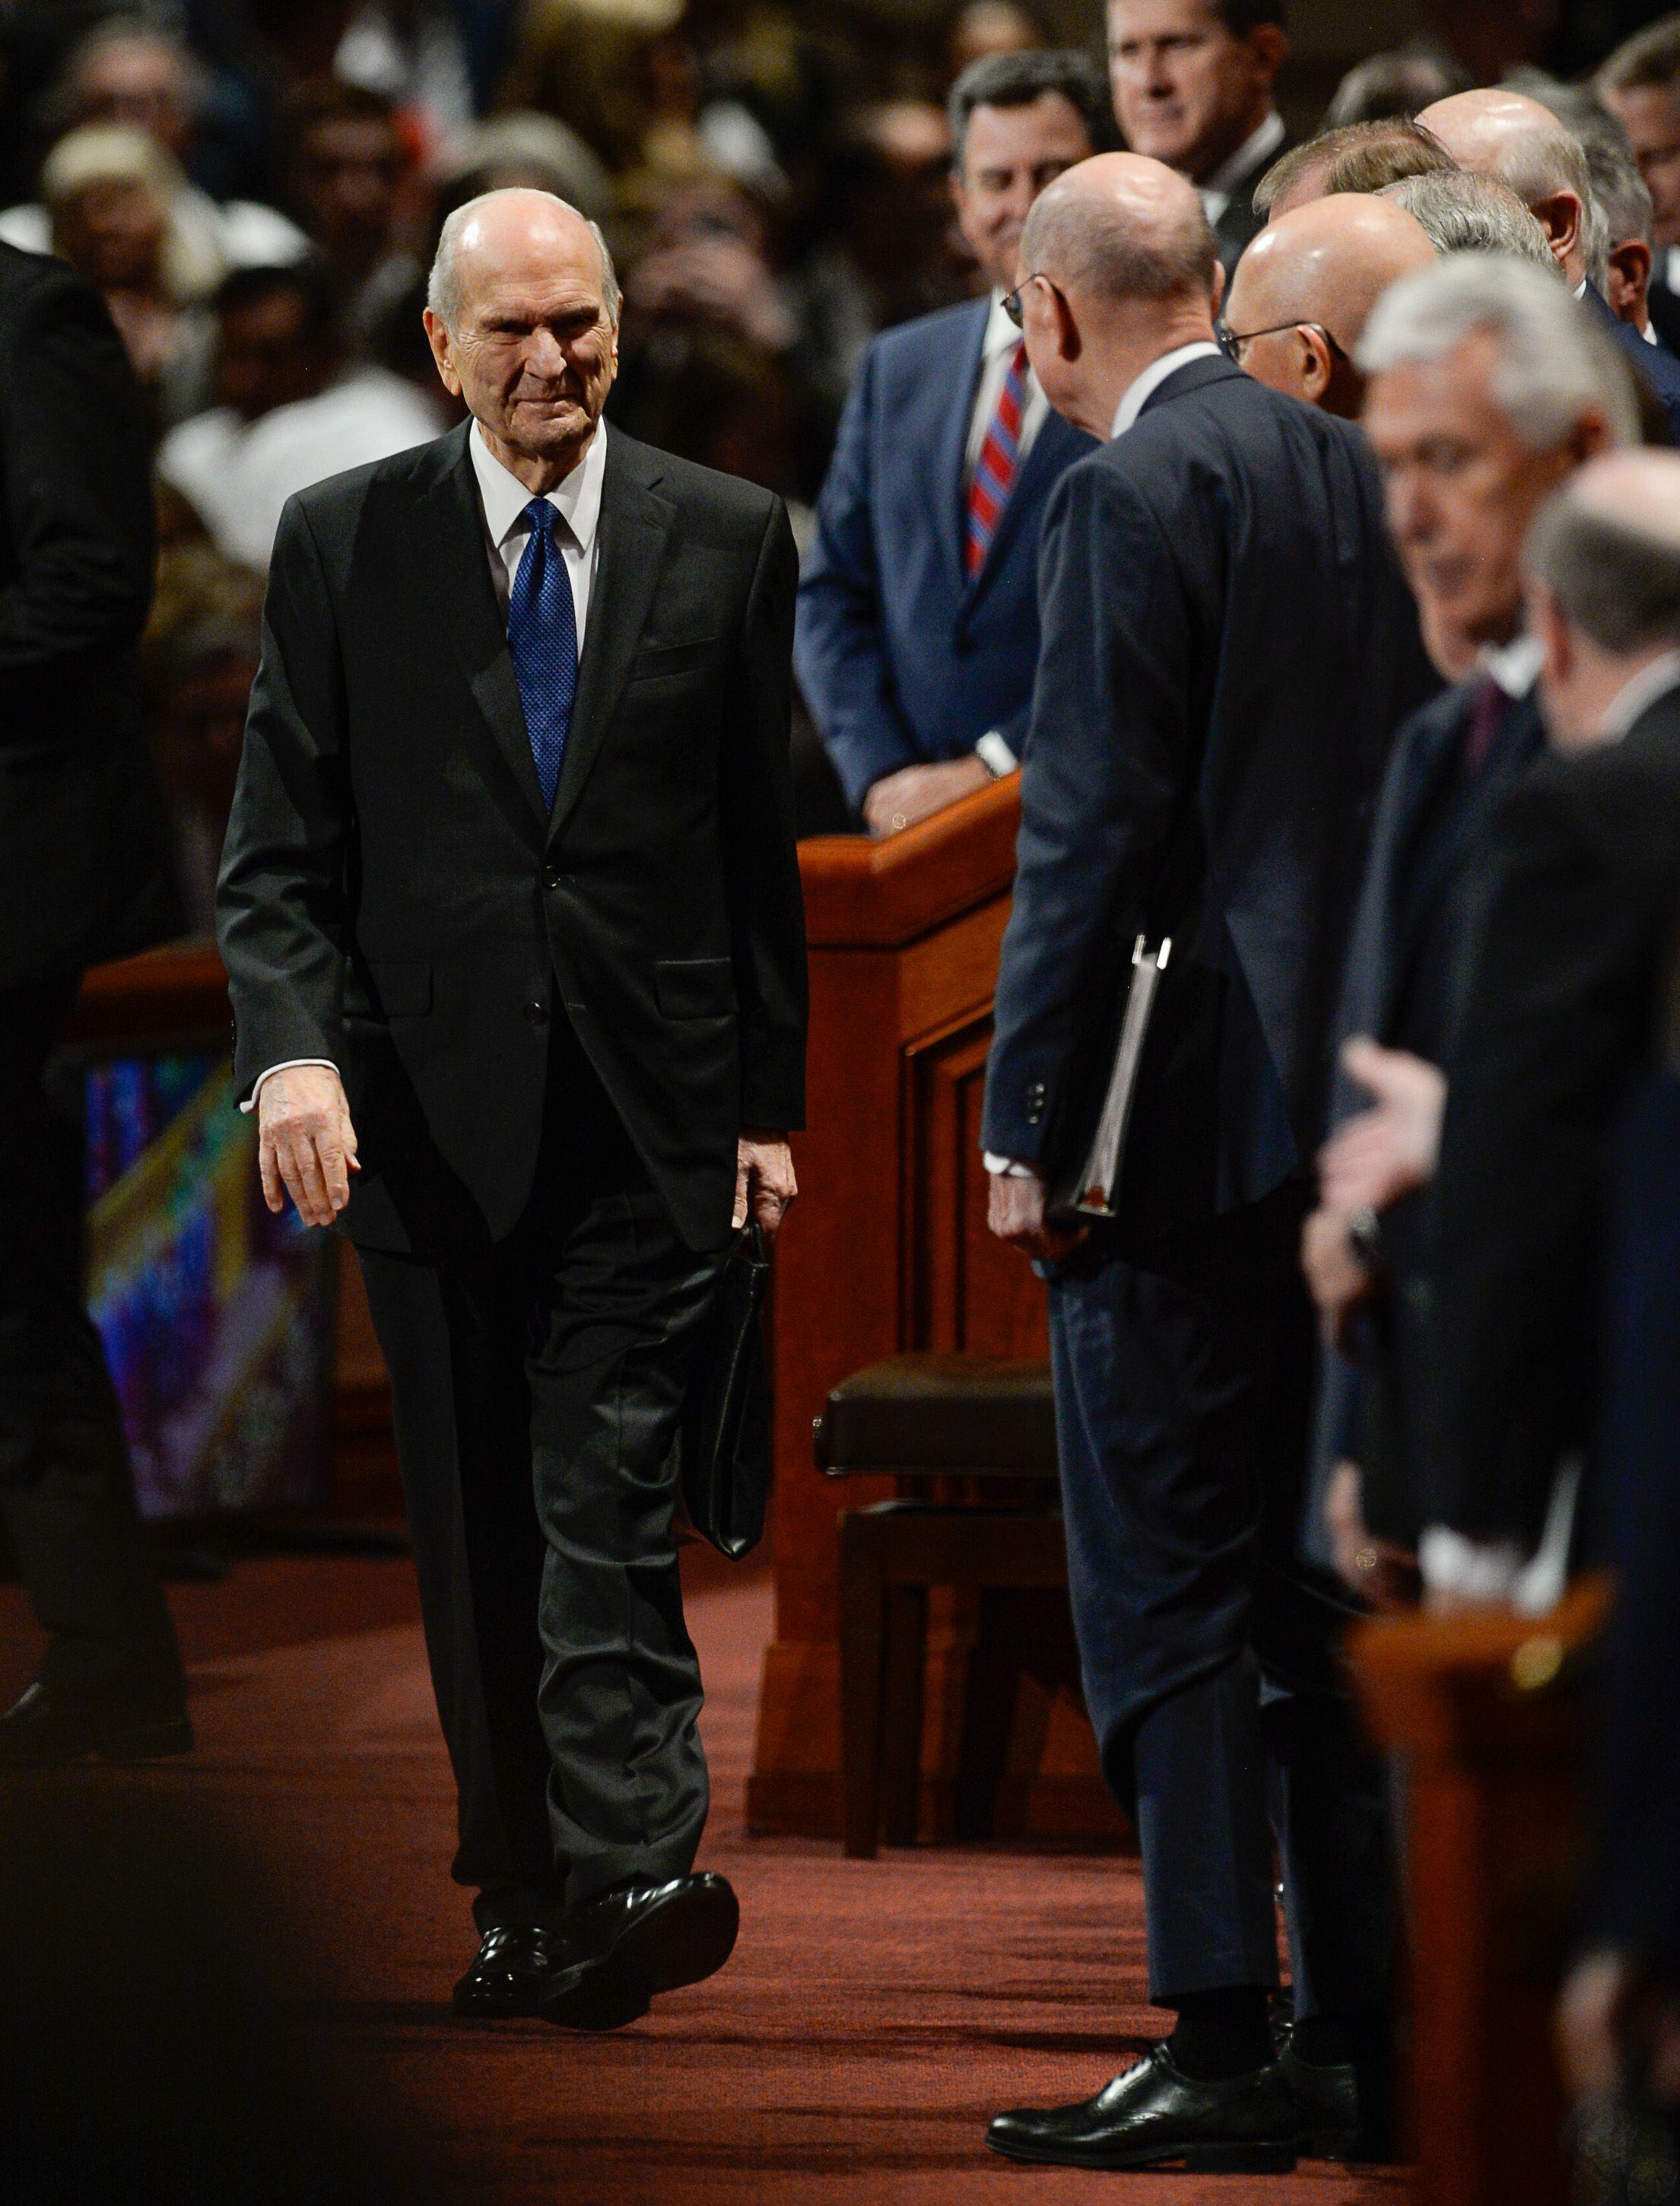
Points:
(994, 754)
(250, 1104)
(1474, 1569)
(1010, 1167)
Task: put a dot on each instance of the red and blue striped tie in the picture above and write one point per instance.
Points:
(994, 470)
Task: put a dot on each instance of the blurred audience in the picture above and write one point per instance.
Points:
(1488, 387)
(1304, 290)
(1192, 83)
(1400, 83)
(289, 409)
(345, 164)
(918, 634)
(1640, 84)
(987, 27)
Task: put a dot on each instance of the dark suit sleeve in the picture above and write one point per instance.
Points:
(766, 907)
(1554, 1002)
(282, 916)
(1103, 778)
(76, 483)
(839, 650)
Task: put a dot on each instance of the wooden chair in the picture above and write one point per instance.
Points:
(923, 1419)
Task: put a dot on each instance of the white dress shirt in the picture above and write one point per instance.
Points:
(1215, 193)
(1138, 393)
(502, 499)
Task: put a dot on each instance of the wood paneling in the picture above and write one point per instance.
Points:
(886, 1249)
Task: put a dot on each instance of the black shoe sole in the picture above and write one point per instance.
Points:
(1211, 2158)
(683, 1942)
(490, 2006)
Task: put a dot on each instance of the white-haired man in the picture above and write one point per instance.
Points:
(511, 918)
(1488, 387)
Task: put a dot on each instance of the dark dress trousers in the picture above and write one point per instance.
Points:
(84, 875)
(1228, 649)
(552, 1026)
(904, 658)
(1400, 987)
(1571, 941)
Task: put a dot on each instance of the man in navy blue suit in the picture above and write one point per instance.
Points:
(1521, 145)
(1228, 648)
(918, 631)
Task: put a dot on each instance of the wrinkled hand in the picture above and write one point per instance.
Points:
(1017, 1214)
(764, 1181)
(1338, 1282)
(898, 800)
(307, 1146)
(1376, 1570)
(1387, 1151)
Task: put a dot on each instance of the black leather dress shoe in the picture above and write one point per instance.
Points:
(43, 1729)
(512, 1965)
(620, 1950)
(1327, 2107)
(1156, 2116)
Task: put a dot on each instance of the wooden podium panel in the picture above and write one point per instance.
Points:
(887, 1250)
(1484, 1712)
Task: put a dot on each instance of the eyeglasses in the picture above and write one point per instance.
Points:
(1234, 345)
(1012, 305)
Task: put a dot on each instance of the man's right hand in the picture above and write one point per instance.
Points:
(307, 1146)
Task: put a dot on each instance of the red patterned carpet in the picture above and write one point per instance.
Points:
(875, 2014)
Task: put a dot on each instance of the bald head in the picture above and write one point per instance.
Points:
(1522, 146)
(1313, 275)
(1130, 272)
(522, 316)
(1603, 566)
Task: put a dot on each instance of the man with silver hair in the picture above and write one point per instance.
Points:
(1521, 144)
(1489, 386)
(510, 914)
(1463, 213)
(1620, 247)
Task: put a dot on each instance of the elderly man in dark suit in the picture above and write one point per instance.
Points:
(84, 875)
(511, 917)
(1192, 83)
(1229, 647)
(918, 632)
(1480, 357)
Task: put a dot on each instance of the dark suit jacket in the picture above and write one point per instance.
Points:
(84, 865)
(901, 656)
(1574, 931)
(1654, 364)
(1400, 987)
(1239, 225)
(395, 896)
(1228, 649)
(1664, 306)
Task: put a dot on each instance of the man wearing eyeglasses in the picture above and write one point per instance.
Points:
(1303, 289)
(1228, 648)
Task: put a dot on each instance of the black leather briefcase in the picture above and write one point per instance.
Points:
(726, 1422)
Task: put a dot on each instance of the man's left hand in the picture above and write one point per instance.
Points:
(898, 800)
(1019, 1215)
(1336, 1279)
(1380, 1154)
(764, 1181)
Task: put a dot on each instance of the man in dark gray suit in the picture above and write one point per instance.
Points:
(1228, 647)
(511, 917)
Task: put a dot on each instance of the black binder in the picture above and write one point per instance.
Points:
(725, 1440)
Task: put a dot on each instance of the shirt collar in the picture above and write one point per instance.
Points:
(1514, 666)
(1142, 388)
(1636, 698)
(1001, 333)
(577, 499)
(1248, 155)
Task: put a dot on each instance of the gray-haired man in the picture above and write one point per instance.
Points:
(511, 918)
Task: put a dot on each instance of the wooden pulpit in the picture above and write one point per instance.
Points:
(887, 1250)
(1484, 1713)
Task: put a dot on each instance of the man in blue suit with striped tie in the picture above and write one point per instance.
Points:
(918, 630)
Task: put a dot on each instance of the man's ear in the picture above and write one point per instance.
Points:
(1560, 215)
(1217, 297)
(1320, 367)
(1269, 43)
(1630, 278)
(1070, 343)
(442, 351)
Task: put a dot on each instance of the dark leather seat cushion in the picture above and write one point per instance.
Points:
(976, 1415)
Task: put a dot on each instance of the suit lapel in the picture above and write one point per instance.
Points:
(458, 577)
(1049, 451)
(635, 527)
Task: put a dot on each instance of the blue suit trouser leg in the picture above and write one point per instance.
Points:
(1208, 1646)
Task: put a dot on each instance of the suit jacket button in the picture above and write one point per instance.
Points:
(552, 877)
(537, 1014)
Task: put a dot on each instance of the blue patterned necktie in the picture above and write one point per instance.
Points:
(542, 636)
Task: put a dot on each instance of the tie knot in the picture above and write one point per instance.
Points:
(540, 515)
